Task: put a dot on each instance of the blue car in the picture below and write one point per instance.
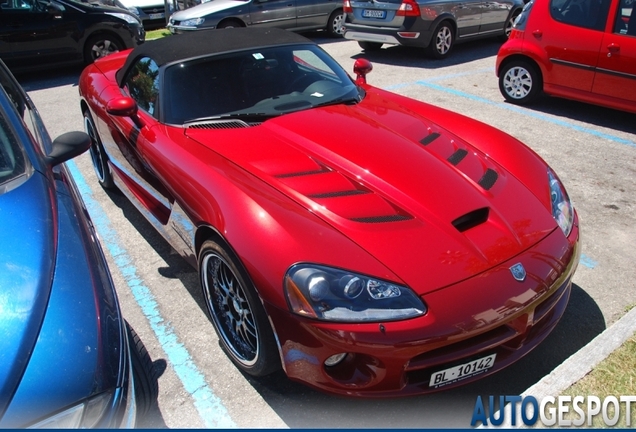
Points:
(68, 358)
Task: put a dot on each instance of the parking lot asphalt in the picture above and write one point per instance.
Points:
(592, 149)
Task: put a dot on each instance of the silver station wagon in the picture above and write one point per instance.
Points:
(294, 15)
(435, 25)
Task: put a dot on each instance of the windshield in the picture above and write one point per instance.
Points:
(256, 83)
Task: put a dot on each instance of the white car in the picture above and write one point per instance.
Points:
(150, 12)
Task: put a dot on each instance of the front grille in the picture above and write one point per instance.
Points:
(504, 340)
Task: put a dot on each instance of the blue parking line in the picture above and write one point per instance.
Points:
(210, 407)
(587, 261)
(429, 83)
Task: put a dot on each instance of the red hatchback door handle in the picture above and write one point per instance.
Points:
(537, 33)
(614, 48)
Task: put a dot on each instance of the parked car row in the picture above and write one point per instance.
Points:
(37, 33)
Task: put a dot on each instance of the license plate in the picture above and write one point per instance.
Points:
(370, 13)
(463, 371)
(156, 16)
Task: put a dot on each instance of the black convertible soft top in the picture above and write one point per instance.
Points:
(207, 42)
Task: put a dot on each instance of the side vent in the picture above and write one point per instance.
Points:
(471, 220)
(429, 138)
(489, 179)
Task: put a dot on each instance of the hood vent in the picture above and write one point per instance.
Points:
(222, 124)
(457, 157)
(429, 138)
(471, 220)
(382, 219)
(489, 179)
(473, 164)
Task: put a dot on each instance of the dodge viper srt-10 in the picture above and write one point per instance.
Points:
(367, 243)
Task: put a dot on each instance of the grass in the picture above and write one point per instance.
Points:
(614, 376)
(156, 34)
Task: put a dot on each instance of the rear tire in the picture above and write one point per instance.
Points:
(98, 155)
(442, 42)
(520, 82)
(335, 24)
(370, 46)
(144, 373)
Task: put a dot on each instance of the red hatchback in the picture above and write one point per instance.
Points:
(577, 49)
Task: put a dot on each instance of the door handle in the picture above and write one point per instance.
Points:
(613, 49)
(537, 34)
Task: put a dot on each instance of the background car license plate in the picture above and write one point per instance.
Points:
(462, 371)
(156, 16)
(370, 13)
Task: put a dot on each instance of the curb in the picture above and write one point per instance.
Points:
(576, 366)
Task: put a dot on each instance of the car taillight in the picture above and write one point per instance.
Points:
(408, 8)
(346, 6)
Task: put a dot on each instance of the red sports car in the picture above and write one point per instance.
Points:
(367, 243)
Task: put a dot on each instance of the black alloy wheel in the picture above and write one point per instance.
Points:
(236, 311)
(98, 155)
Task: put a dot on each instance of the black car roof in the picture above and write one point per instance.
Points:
(208, 42)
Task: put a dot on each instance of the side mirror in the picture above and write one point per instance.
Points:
(361, 68)
(67, 146)
(124, 107)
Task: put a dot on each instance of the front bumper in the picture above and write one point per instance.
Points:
(490, 313)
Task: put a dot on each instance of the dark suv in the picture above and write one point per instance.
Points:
(36, 33)
(435, 25)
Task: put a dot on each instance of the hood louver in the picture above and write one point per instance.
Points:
(222, 124)
(474, 165)
(343, 196)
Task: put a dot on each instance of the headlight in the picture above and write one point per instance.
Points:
(84, 415)
(124, 16)
(193, 22)
(330, 294)
(562, 209)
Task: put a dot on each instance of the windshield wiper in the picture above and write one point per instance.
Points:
(351, 100)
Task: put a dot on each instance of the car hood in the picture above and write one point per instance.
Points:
(27, 256)
(207, 8)
(428, 204)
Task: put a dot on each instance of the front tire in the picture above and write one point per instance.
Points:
(335, 24)
(144, 373)
(98, 155)
(236, 311)
(442, 42)
(230, 24)
(509, 25)
(520, 82)
(101, 45)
